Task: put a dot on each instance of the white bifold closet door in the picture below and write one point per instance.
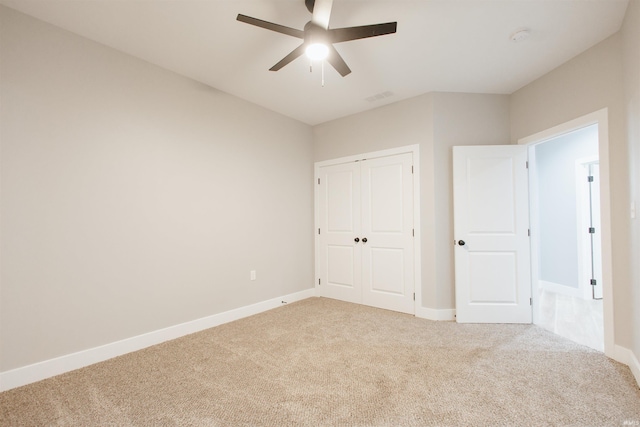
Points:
(366, 232)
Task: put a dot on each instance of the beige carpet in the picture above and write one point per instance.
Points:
(321, 362)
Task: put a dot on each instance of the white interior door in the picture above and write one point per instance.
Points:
(340, 224)
(366, 232)
(491, 229)
(387, 225)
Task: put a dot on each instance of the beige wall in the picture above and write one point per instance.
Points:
(134, 199)
(459, 119)
(436, 122)
(587, 83)
(631, 64)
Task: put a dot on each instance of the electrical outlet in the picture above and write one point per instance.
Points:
(253, 275)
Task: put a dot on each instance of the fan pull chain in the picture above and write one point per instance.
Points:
(321, 70)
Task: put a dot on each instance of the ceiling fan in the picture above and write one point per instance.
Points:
(318, 38)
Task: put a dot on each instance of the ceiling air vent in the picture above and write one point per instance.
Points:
(379, 96)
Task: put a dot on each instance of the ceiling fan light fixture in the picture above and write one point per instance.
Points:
(318, 38)
(317, 51)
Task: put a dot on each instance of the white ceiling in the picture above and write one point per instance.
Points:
(441, 45)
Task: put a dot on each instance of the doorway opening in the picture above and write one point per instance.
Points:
(566, 191)
(571, 231)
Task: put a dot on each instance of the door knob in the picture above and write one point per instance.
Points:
(364, 240)
(356, 240)
(461, 242)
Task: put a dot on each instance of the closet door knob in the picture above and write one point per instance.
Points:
(356, 240)
(364, 240)
(461, 242)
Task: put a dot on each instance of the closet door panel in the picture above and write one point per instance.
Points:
(340, 255)
(387, 226)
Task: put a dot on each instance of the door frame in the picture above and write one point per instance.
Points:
(417, 264)
(601, 118)
(583, 205)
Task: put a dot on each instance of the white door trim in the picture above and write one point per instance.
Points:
(415, 150)
(601, 118)
(583, 223)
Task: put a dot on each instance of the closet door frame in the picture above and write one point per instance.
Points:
(414, 150)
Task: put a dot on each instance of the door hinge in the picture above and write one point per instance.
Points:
(592, 230)
(593, 282)
(411, 169)
(319, 283)
(318, 231)
(529, 232)
(414, 296)
(413, 232)
(590, 178)
(530, 301)
(527, 164)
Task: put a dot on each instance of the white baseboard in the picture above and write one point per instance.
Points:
(634, 365)
(560, 289)
(49, 368)
(434, 314)
(626, 356)
(620, 354)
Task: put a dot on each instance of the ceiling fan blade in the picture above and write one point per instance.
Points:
(337, 62)
(338, 35)
(290, 57)
(271, 26)
(322, 13)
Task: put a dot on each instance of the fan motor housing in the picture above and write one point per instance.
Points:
(315, 34)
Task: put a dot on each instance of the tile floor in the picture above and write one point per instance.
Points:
(574, 318)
